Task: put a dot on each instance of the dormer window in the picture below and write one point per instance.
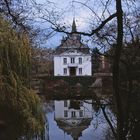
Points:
(72, 60)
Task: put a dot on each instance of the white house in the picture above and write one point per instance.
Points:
(73, 110)
(72, 57)
(73, 116)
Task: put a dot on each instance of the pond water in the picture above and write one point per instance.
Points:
(74, 120)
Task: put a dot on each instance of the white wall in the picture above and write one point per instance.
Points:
(59, 66)
(59, 110)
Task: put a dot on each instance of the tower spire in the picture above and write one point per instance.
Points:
(74, 26)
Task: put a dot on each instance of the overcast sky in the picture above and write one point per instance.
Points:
(68, 9)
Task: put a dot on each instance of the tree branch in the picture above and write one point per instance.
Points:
(14, 18)
(109, 122)
(59, 29)
(89, 9)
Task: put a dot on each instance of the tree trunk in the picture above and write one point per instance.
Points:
(120, 119)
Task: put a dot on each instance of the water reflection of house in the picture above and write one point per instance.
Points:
(73, 116)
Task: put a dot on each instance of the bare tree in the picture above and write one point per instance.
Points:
(121, 135)
(103, 21)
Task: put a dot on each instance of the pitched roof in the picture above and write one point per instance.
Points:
(72, 42)
(74, 131)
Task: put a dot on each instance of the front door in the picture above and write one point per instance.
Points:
(72, 71)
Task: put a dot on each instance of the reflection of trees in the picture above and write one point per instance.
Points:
(99, 105)
(108, 134)
(48, 106)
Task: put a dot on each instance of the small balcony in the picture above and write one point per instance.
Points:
(72, 64)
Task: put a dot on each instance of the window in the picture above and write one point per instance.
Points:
(65, 103)
(73, 114)
(80, 60)
(81, 113)
(72, 60)
(65, 113)
(80, 71)
(65, 60)
(65, 71)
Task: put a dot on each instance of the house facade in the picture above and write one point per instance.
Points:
(72, 57)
